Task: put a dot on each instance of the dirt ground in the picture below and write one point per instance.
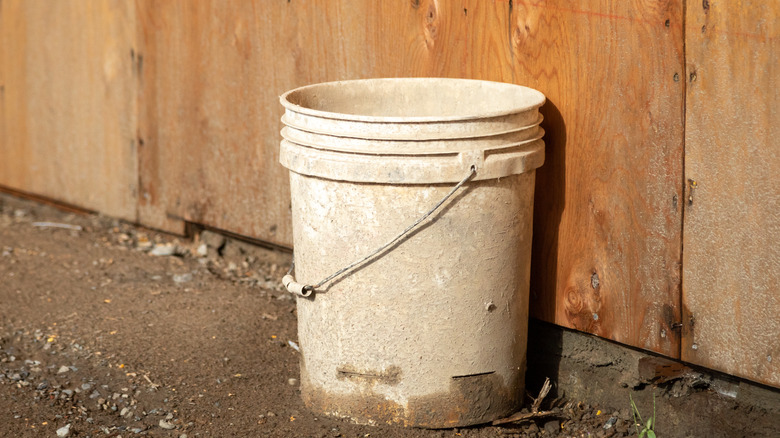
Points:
(110, 330)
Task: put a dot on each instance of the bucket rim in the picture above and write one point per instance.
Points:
(290, 106)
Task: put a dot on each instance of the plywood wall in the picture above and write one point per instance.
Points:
(732, 217)
(68, 101)
(607, 223)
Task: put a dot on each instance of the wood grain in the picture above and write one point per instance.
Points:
(732, 216)
(68, 102)
(608, 219)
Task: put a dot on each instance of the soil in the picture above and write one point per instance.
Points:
(111, 330)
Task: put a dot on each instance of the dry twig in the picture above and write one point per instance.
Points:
(535, 412)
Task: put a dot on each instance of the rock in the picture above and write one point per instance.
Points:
(212, 239)
(166, 425)
(292, 381)
(86, 386)
(124, 412)
(143, 242)
(203, 250)
(136, 430)
(182, 278)
(63, 369)
(64, 431)
(161, 249)
(553, 427)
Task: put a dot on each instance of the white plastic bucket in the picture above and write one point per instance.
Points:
(431, 331)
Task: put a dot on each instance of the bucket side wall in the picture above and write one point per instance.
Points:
(443, 308)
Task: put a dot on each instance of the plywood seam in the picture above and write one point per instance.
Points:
(682, 203)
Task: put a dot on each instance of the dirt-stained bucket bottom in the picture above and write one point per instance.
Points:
(472, 400)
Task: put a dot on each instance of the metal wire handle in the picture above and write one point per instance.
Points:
(306, 290)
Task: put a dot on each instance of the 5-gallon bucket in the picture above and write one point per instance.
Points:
(422, 188)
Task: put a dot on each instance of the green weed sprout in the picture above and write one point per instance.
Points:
(647, 428)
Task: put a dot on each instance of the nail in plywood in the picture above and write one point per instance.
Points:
(731, 265)
(68, 99)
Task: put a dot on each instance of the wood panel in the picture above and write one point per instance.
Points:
(607, 240)
(732, 161)
(68, 102)
(608, 216)
(213, 72)
(210, 125)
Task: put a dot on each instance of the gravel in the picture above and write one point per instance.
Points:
(64, 431)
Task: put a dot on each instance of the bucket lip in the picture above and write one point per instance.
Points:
(284, 99)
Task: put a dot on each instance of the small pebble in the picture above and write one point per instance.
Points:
(64, 431)
(166, 425)
(552, 427)
(163, 250)
(182, 278)
(292, 382)
(63, 369)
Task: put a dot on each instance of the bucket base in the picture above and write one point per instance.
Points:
(471, 400)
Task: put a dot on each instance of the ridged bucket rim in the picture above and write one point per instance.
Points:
(294, 107)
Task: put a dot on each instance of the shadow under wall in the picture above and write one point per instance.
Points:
(544, 346)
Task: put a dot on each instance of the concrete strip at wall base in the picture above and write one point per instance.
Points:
(690, 401)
